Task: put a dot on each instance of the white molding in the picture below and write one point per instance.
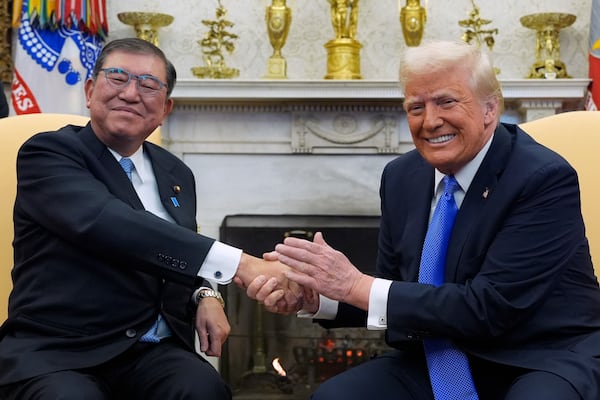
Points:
(197, 90)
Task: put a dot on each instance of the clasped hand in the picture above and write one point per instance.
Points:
(311, 268)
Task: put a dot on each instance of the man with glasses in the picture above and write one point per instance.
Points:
(110, 277)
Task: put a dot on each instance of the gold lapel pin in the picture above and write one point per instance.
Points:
(176, 189)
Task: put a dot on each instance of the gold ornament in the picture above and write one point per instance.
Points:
(217, 39)
(547, 49)
(343, 52)
(412, 19)
(279, 18)
(146, 24)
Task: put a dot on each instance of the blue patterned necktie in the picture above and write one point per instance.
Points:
(160, 329)
(449, 370)
(127, 166)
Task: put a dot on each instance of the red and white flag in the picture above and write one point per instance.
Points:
(592, 102)
(54, 53)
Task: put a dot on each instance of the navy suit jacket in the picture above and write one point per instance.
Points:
(521, 290)
(92, 268)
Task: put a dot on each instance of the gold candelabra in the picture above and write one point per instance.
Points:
(547, 49)
(146, 24)
(215, 41)
(412, 19)
(279, 18)
(343, 52)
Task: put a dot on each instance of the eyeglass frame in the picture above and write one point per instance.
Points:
(130, 75)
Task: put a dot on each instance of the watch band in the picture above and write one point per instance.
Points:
(205, 292)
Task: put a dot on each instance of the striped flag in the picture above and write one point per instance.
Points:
(593, 98)
(55, 46)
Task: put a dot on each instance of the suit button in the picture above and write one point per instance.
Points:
(182, 265)
(130, 333)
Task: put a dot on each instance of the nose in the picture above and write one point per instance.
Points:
(131, 90)
(431, 118)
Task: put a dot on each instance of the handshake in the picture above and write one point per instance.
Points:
(292, 277)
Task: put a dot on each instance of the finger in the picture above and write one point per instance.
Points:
(239, 282)
(273, 298)
(215, 346)
(270, 256)
(319, 239)
(302, 279)
(298, 265)
(204, 342)
(255, 286)
(267, 289)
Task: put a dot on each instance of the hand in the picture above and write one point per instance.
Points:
(265, 290)
(212, 326)
(287, 295)
(318, 266)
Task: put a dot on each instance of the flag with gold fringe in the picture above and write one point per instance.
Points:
(593, 97)
(55, 46)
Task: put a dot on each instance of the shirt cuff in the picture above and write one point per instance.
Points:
(327, 309)
(221, 263)
(378, 301)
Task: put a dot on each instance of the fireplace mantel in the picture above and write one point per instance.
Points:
(193, 91)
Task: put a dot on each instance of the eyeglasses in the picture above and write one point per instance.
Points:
(145, 84)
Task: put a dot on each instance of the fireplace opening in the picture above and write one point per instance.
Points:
(307, 353)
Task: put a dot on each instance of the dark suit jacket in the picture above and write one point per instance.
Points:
(526, 294)
(93, 269)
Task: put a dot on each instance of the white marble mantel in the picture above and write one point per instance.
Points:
(204, 91)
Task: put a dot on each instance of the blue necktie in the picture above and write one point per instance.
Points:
(127, 166)
(449, 370)
(160, 329)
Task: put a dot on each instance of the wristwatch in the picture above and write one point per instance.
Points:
(202, 293)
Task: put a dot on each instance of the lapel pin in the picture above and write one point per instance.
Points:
(485, 193)
(177, 189)
(174, 201)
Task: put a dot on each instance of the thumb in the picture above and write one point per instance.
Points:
(319, 239)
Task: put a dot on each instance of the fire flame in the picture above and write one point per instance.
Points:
(278, 367)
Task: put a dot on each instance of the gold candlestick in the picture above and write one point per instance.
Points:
(412, 19)
(343, 52)
(547, 50)
(146, 24)
(279, 18)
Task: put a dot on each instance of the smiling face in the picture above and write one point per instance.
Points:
(448, 122)
(123, 118)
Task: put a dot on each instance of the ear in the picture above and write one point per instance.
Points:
(491, 111)
(168, 106)
(88, 88)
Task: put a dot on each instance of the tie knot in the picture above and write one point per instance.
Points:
(127, 166)
(450, 185)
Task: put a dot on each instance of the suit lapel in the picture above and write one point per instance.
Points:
(169, 186)
(482, 188)
(109, 171)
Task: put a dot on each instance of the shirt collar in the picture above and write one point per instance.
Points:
(465, 175)
(138, 161)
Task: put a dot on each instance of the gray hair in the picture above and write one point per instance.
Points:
(435, 56)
